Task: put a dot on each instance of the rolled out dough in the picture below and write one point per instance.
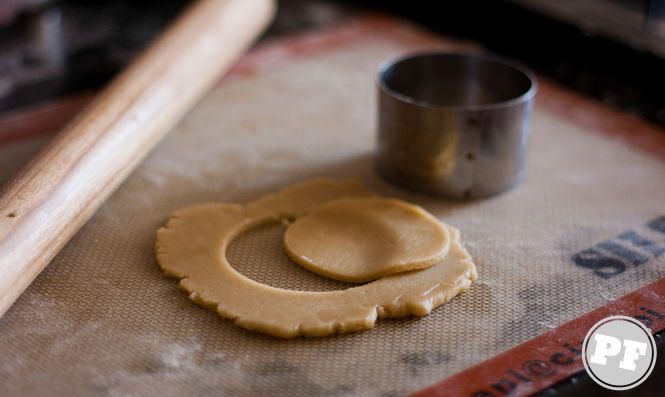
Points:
(363, 239)
(192, 248)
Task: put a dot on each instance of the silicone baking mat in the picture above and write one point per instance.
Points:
(586, 227)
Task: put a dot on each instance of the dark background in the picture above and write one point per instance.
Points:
(53, 48)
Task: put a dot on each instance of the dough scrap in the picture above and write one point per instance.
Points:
(192, 248)
(363, 239)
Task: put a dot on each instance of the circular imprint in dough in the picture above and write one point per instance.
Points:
(192, 248)
(363, 239)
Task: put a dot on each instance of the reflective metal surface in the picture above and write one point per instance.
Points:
(453, 124)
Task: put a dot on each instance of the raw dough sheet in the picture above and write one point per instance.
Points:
(103, 320)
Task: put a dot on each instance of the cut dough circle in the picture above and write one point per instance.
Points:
(363, 239)
(192, 248)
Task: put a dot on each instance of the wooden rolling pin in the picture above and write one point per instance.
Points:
(58, 190)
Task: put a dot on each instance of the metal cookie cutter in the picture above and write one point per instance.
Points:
(454, 124)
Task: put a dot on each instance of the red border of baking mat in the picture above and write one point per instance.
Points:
(529, 367)
(551, 357)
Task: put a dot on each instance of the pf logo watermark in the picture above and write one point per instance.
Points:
(619, 353)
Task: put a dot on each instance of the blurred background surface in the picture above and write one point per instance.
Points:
(612, 50)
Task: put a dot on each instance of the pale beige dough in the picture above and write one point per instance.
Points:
(192, 248)
(363, 239)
